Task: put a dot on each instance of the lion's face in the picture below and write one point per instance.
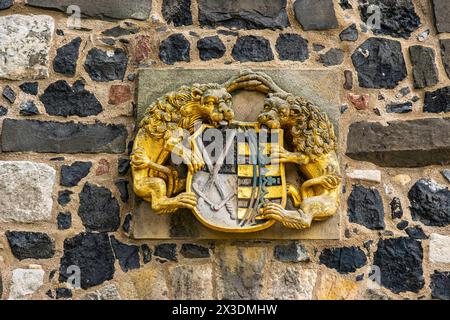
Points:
(216, 105)
(277, 113)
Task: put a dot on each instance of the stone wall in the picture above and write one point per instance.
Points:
(67, 120)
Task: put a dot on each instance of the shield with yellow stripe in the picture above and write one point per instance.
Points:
(239, 177)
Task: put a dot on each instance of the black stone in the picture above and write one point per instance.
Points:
(441, 14)
(291, 46)
(127, 223)
(437, 101)
(430, 203)
(167, 251)
(252, 48)
(344, 260)
(123, 166)
(316, 14)
(425, 73)
(399, 107)
(108, 41)
(57, 159)
(103, 67)
(72, 175)
(118, 31)
(30, 245)
(384, 67)
(440, 285)
(397, 18)
(318, 47)
(30, 88)
(99, 210)
(60, 32)
(66, 58)
(332, 57)
(62, 137)
(175, 49)
(400, 263)
(63, 293)
(9, 94)
(60, 99)
(210, 48)
(365, 207)
(92, 253)
(49, 294)
(416, 232)
(5, 4)
(402, 225)
(446, 174)
(122, 186)
(28, 108)
(178, 12)
(445, 54)
(194, 251)
(349, 34)
(228, 33)
(396, 208)
(243, 14)
(290, 253)
(64, 197)
(146, 253)
(3, 111)
(128, 255)
(64, 220)
(345, 5)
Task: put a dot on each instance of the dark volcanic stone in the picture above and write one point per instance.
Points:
(60, 99)
(400, 263)
(9, 94)
(174, 49)
(332, 57)
(122, 186)
(194, 251)
(384, 67)
(348, 75)
(396, 208)
(416, 232)
(413, 143)
(146, 253)
(441, 14)
(397, 18)
(291, 46)
(58, 137)
(243, 14)
(103, 67)
(30, 245)
(252, 48)
(349, 34)
(127, 223)
(402, 225)
(127, 255)
(71, 175)
(430, 203)
(66, 58)
(344, 260)
(64, 197)
(437, 101)
(3, 111)
(365, 207)
(293, 252)
(30, 88)
(99, 210)
(5, 4)
(345, 5)
(108, 41)
(316, 14)
(399, 107)
(445, 53)
(318, 47)
(118, 31)
(64, 220)
(63, 293)
(92, 253)
(167, 251)
(177, 11)
(440, 285)
(28, 108)
(424, 67)
(123, 166)
(211, 48)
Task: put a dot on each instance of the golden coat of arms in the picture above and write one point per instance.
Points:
(236, 177)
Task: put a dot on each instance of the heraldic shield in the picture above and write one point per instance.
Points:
(239, 178)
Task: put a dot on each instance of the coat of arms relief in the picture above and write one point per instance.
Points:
(236, 175)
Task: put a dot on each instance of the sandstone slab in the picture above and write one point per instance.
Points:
(191, 282)
(439, 248)
(315, 14)
(25, 282)
(334, 287)
(441, 14)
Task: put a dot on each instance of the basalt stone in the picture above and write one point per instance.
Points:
(396, 208)
(291, 46)
(60, 99)
(108, 41)
(175, 49)
(5, 4)
(64, 197)
(424, 67)
(64, 220)
(30, 245)
(446, 174)
(252, 48)
(430, 203)
(9, 94)
(416, 232)
(293, 252)
(146, 253)
(63, 293)
(194, 251)
(445, 53)
(402, 225)
(316, 14)
(30, 88)
(397, 18)
(101, 9)
(66, 58)
(166, 251)
(413, 143)
(349, 34)
(345, 5)
(28, 108)
(128, 255)
(211, 48)
(243, 14)
(92, 253)
(332, 57)
(399, 107)
(365, 207)
(118, 31)
(344, 260)
(99, 210)
(122, 186)
(437, 101)
(441, 14)
(440, 285)
(348, 84)
(178, 12)
(400, 263)
(59, 137)
(127, 223)
(72, 175)
(103, 66)
(379, 63)
(3, 111)
(123, 166)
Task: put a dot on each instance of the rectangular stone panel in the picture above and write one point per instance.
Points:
(441, 15)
